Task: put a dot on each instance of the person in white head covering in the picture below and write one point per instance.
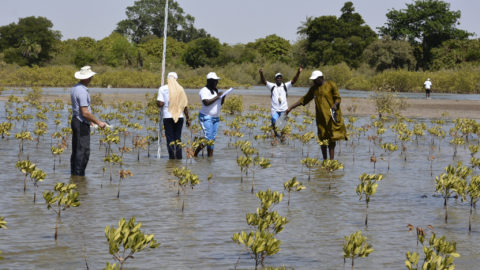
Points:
(278, 94)
(330, 125)
(173, 102)
(82, 118)
(428, 88)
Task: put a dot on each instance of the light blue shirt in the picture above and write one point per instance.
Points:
(80, 98)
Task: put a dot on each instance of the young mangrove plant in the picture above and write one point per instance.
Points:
(22, 137)
(367, 187)
(123, 175)
(268, 223)
(37, 176)
(305, 139)
(262, 163)
(56, 151)
(310, 163)
(26, 167)
(3, 225)
(389, 148)
(61, 198)
(356, 246)
(473, 191)
(453, 180)
(331, 165)
(456, 141)
(292, 185)
(126, 240)
(438, 254)
(185, 178)
(112, 159)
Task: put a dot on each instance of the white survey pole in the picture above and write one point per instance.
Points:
(160, 123)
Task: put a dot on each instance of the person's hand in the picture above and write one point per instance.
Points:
(300, 68)
(219, 94)
(260, 70)
(188, 122)
(287, 111)
(334, 107)
(102, 125)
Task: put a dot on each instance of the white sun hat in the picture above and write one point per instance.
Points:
(316, 74)
(278, 74)
(212, 75)
(84, 73)
(173, 75)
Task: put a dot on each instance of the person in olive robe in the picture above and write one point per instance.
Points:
(330, 125)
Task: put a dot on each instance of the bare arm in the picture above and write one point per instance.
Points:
(90, 117)
(294, 80)
(262, 78)
(160, 104)
(208, 102)
(296, 104)
(187, 118)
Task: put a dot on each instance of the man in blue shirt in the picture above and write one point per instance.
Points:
(82, 119)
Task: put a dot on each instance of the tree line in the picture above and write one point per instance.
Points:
(422, 36)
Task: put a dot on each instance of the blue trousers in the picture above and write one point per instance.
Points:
(210, 127)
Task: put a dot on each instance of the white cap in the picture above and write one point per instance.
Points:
(173, 75)
(84, 73)
(212, 75)
(278, 74)
(316, 74)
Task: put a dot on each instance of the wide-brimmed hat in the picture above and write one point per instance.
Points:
(84, 73)
(173, 75)
(316, 74)
(278, 74)
(213, 76)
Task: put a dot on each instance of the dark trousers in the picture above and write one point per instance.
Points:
(80, 147)
(173, 132)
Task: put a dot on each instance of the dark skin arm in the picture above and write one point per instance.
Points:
(187, 118)
(294, 80)
(208, 102)
(90, 117)
(262, 78)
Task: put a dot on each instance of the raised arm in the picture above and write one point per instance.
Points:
(262, 78)
(294, 80)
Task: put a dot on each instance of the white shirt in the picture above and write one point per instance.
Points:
(428, 84)
(279, 96)
(212, 109)
(164, 97)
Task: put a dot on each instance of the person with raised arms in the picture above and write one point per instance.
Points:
(278, 94)
(330, 125)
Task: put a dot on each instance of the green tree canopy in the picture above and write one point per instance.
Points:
(390, 54)
(273, 48)
(147, 17)
(331, 40)
(425, 24)
(201, 52)
(28, 42)
(456, 52)
(116, 50)
(151, 51)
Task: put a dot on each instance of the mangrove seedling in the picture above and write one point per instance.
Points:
(61, 198)
(439, 254)
(111, 159)
(22, 137)
(37, 176)
(3, 225)
(140, 142)
(26, 167)
(123, 175)
(389, 148)
(127, 239)
(331, 165)
(473, 191)
(452, 180)
(262, 242)
(305, 139)
(56, 151)
(367, 187)
(262, 163)
(310, 163)
(355, 246)
(185, 178)
(292, 185)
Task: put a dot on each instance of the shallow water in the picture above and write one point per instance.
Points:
(200, 237)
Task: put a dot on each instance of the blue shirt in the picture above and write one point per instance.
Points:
(80, 98)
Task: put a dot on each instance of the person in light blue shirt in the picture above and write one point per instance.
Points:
(82, 118)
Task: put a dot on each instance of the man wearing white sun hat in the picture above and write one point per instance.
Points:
(82, 119)
(330, 125)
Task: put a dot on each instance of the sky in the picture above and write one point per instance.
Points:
(232, 22)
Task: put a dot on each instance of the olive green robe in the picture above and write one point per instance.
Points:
(325, 96)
